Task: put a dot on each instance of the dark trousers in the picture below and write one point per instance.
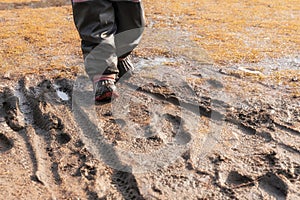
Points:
(109, 29)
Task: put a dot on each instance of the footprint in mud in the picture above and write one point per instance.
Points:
(88, 171)
(120, 122)
(63, 138)
(144, 120)
(215, 83)
(177, 129)
(5, 143)
(127, 185)
(273, 185)
(235, 178)
(12, 111)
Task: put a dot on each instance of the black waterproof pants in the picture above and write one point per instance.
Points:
(109, 29)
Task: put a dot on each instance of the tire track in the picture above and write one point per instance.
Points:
(286, 128)
(34, 144)
(41, 127)
(93, 138)
(36, 136)
(28, 114)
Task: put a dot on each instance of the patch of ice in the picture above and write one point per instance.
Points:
(62, 95)
(250, 71)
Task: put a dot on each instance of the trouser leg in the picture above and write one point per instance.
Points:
(129, 31)
(108, 30)
(95, 22)
(130, 23)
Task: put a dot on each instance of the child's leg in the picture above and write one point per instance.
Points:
(95, 22)
(129, 17)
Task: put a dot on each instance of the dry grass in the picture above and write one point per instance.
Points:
(234, 31)
(37, 40)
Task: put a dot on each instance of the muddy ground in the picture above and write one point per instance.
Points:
(183, 127)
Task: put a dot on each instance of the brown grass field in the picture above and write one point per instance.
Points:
(230, 31)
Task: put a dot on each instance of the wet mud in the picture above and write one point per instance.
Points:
(183, 140)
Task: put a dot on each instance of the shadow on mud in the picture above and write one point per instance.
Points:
(124, 179)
